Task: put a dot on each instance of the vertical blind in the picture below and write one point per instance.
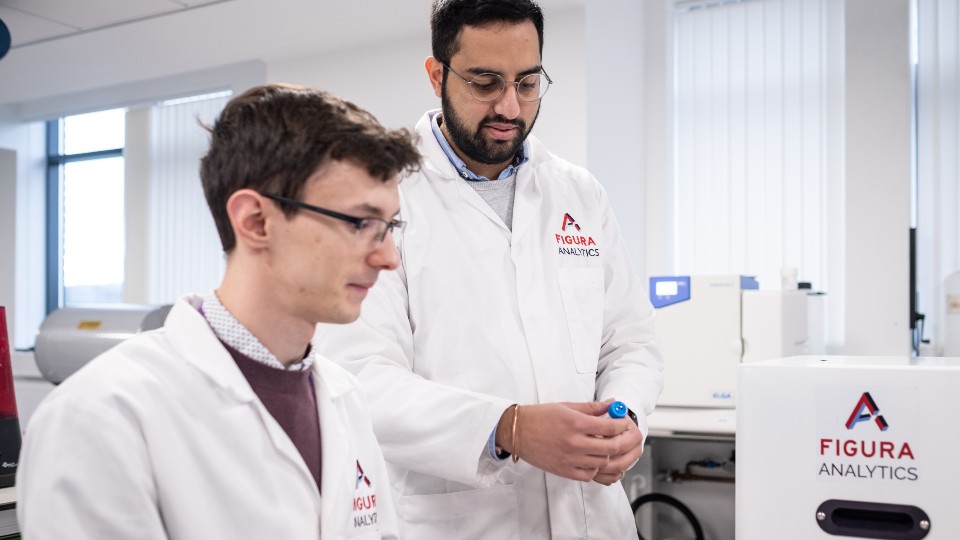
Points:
(183, 246)
(753, 171)
(938, 156)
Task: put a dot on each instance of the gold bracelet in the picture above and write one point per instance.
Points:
(513, 434)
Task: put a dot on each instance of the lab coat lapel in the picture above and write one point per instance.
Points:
(196, 343)
(199, 346)
(471, 197)
(438, 164)
(284, 445)
(527, 201)
(338, 471)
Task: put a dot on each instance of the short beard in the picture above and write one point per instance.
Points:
(474, 145)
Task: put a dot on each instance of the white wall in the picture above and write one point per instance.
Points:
(620, 131)
(22, 229)
(136, 190)
(617, 125)
(199, 40)
(878, 173)
(386, 78)
(389, 80)
(8, 225)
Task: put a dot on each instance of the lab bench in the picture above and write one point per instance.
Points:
(688, 459)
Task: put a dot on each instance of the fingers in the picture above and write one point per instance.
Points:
(615, 470)
(583, 475)
(619, 464)
(575, 440)
(608, 427)
(591, 408)
(596, 446)
(593, 420)
(594, 462)
(608, 478)
(609, 475)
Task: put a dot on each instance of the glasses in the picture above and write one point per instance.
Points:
(490, 86)
(370, 230)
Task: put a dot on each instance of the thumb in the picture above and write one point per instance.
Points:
(593, 408)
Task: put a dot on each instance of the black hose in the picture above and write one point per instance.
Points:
(672, 501)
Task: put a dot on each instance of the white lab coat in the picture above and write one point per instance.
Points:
(479, 317)
(163, 438)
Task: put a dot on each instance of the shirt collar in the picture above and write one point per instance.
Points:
(461, 167)
(229, 330)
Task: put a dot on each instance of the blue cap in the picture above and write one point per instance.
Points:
(618, 409)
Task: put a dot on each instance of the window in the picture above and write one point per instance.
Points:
(85, 209)
(938, 166)
(144, 239)
(182, 251)
(752, 156)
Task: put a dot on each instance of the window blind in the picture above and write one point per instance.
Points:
(183, 246)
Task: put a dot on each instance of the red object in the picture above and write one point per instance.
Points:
(8, 400)
(9, 423)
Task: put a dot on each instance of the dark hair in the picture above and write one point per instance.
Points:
(272, 138)
(448, 18)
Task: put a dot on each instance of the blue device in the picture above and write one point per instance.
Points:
(617, 409)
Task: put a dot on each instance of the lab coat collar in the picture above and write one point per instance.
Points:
(436, 160)
(337, 381)
(528, 193)
(196, 343)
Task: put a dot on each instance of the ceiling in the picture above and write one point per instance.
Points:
(35, 21)
(70, 47)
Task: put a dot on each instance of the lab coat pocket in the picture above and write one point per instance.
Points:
(476, 513)
(582, 292)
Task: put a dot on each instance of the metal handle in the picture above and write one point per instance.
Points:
(860, 519)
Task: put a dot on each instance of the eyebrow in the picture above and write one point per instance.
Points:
(480, 70)
(372, 211)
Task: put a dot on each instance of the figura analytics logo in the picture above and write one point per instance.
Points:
(360, 476)
(575, 244)
(863, 457)
(568, 220)
(867, 404)
(364, 501)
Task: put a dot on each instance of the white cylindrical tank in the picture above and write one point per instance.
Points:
(951, 319)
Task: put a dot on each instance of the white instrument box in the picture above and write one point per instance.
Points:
(847, 447)
(709, 325)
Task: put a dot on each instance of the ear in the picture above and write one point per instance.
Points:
(248, 214)
(435, 73)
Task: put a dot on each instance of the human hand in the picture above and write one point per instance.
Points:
(631, 446)
(571, 440)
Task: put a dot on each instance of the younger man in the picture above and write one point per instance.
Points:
(225, 423)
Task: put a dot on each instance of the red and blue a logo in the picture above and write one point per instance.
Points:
(568, 220)
(865, 410)
(361, 478)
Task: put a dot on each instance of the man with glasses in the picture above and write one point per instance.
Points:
(225, 423)
(490, 357)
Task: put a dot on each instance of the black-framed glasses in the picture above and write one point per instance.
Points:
(370, 230)
(490, 86)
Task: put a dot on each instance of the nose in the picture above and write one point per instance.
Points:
(385, 256)
(508, 104)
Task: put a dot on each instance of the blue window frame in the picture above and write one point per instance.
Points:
(85, 220)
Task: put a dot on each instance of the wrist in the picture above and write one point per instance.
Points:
(505, 431)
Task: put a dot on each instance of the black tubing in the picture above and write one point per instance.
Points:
(672, 501)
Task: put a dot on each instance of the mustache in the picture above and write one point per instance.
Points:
(500, 119)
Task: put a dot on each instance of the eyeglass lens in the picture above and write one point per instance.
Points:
(374, 230)
(489, 86)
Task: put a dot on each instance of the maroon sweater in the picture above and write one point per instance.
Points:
(289, 397)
